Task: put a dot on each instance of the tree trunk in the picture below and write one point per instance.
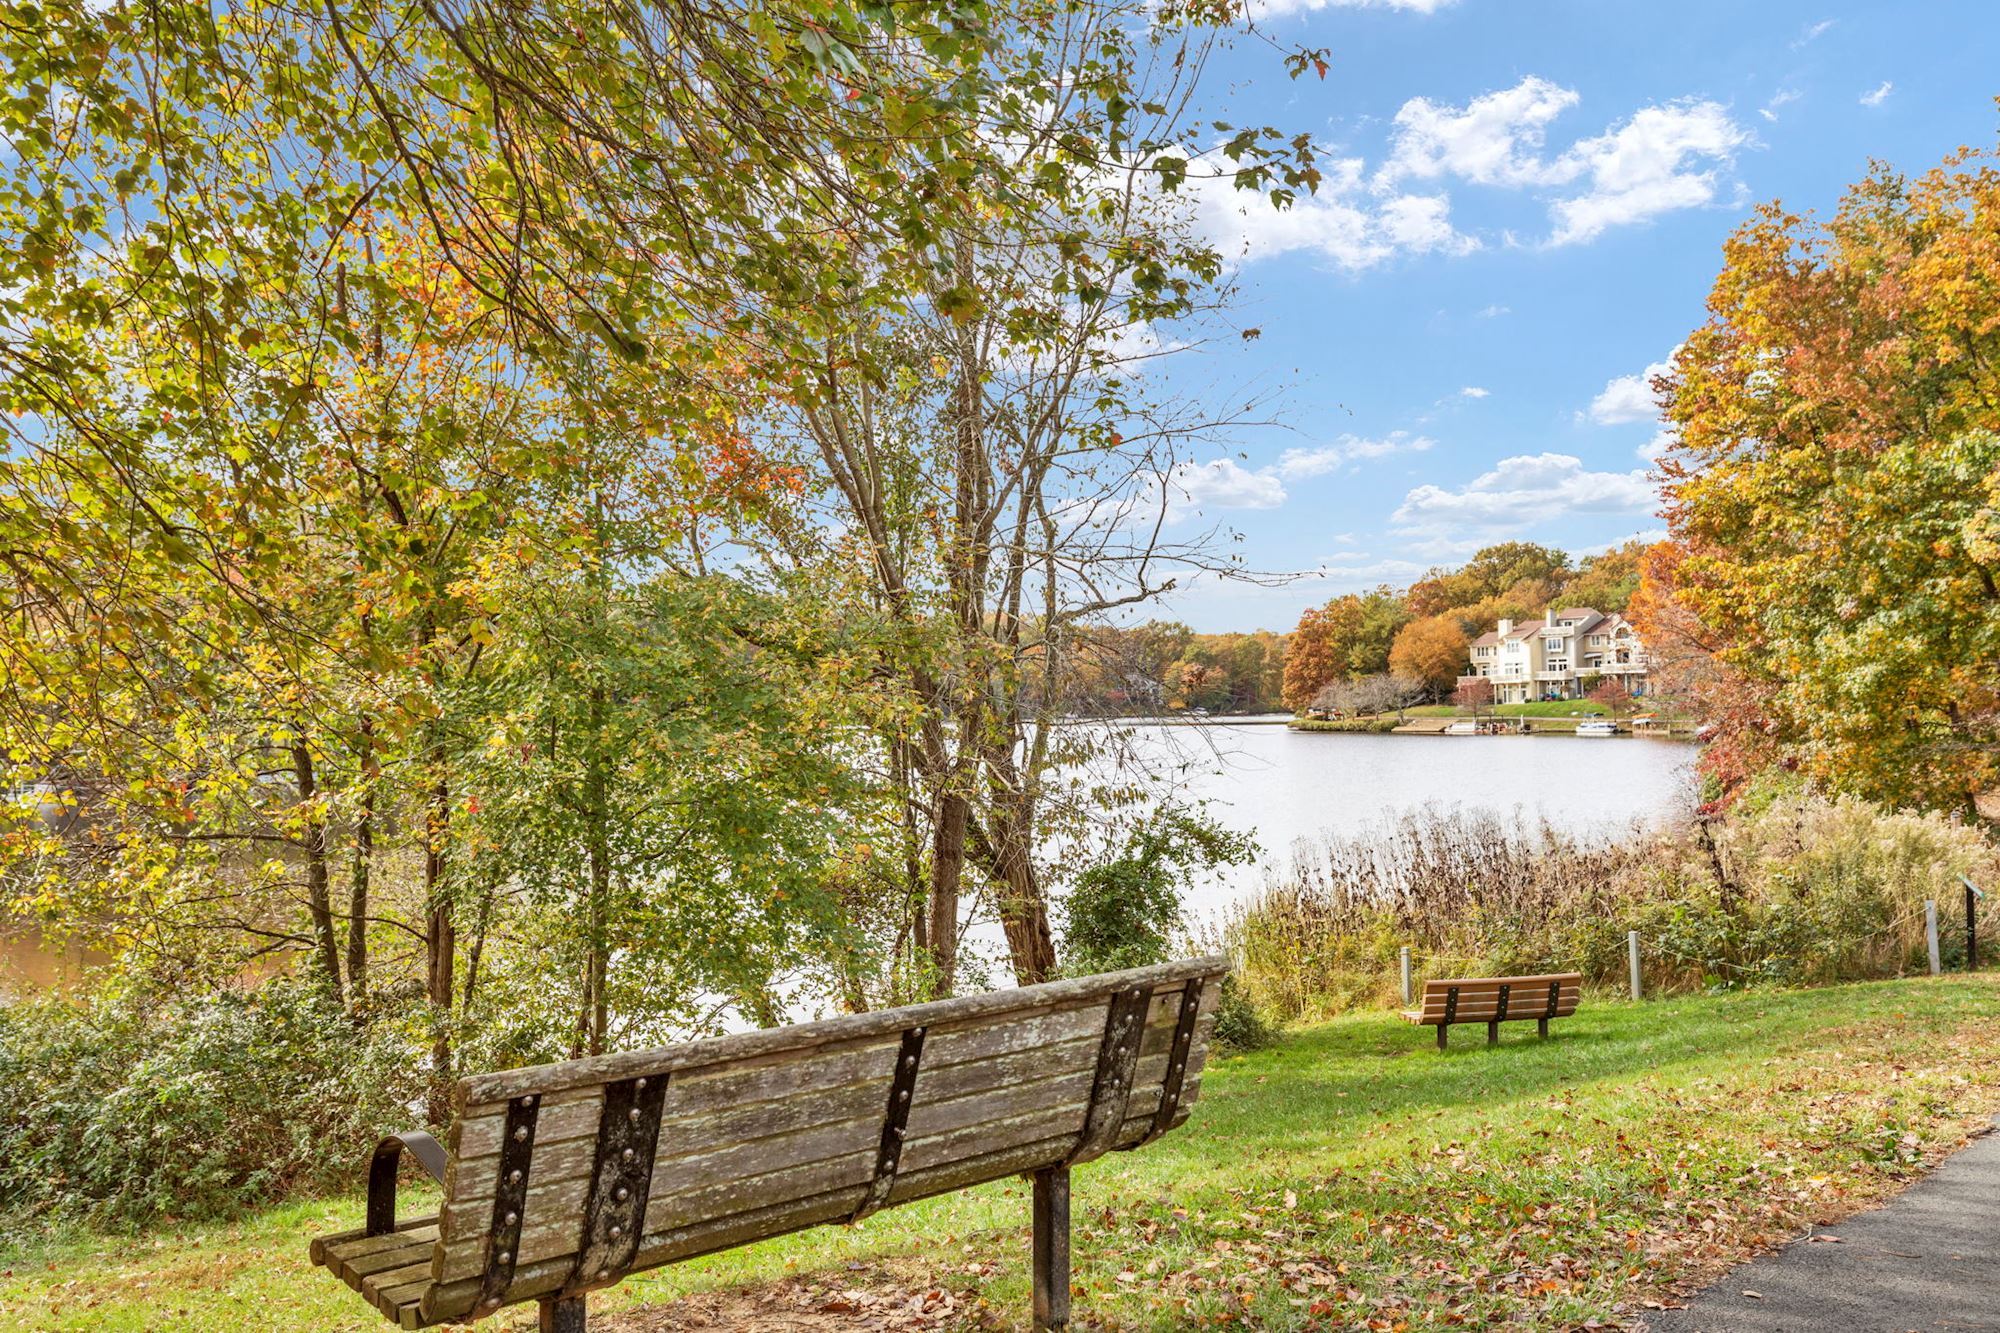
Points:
(358, 884)
(597, 816)
(947, 865)
(319, 899)
(1006, 854)
(442, 936)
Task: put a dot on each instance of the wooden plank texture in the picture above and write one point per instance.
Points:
(770, 1132)
(937, 1016)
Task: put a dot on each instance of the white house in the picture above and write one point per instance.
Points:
(1560, 657)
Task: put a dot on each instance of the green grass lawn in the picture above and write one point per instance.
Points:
(1349, 1174)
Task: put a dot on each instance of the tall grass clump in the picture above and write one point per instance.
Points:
(1804, 890)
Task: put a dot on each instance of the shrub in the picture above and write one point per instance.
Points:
(125, 1109)
(1126, 911)
(1238, 1024)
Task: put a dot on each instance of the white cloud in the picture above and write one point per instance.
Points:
(1628, 398)
(1495, 311)
(1650, 536)
(1524, 490)
(1337, 223)
(1421, 224)
(1651, 450)
(1783, 97)
(1356, 573)
(1812, 33)
(1495, 139)
(1272, 8)
(1879, 95)
(1662, 159)
(1300, 464)
(1473, 391)
(1222, 484)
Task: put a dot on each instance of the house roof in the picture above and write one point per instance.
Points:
(1487, 639)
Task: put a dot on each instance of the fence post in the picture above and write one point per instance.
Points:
(1972, 897)
(1407, 997)
(1930, 933)
(1632, 957)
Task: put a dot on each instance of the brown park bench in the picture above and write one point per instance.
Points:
(1497, 1000)
(562, 1179)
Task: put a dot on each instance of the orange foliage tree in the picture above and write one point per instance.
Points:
(1834, 489)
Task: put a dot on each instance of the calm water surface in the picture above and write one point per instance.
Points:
(1282, 786)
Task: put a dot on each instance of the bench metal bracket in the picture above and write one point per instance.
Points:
(1178, 1055)
(895, 1120)
(1499, 1015)
(1117, 1058)
(1450, 1015)
(382, 1174)
(510, 1200)
(614, 1217)
(1555, 996)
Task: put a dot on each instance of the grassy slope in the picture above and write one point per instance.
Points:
(1349, 1174)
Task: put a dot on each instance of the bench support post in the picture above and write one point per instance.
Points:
(1493, 1032)
(1542, 1026)
(562, 1314)
(1051, 1250)
(1441, 1038)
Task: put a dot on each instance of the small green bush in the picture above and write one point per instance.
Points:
(138, 1108)
(1238, 1025)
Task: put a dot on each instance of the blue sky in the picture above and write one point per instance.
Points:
(1525, 207)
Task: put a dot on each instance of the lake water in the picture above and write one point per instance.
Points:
(1281, 786)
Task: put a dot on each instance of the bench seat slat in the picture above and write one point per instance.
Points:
(1479, 998)
(1481, 1008)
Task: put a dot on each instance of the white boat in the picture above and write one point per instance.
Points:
(1597, 728)
(1462, 729)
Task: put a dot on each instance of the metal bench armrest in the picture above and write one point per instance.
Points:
(382, 1174)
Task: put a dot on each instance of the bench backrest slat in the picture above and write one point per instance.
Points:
(759, 1136)
(1479, 997)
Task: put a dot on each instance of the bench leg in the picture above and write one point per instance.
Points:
(1441, 1031)
(1542, 1026)
(562, 1314)
(1052, 1250)
(1493, 1034)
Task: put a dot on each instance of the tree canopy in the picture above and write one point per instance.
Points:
(1832, 492)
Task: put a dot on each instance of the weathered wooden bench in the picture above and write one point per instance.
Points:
(562, 1179)
(1497, 1000)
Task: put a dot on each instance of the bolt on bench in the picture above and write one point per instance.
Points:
(562, 1179)
(1496, 1000)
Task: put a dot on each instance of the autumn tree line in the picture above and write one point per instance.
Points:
(1414, 639)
